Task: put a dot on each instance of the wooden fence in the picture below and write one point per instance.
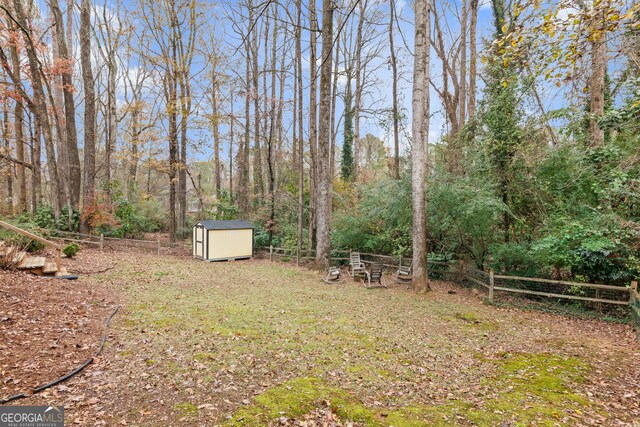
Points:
(556, 289)
(101, 240)
(342, 257)
(491, 283)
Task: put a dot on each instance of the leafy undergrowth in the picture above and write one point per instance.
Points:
(259, 343)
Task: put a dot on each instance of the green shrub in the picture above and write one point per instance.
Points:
(379, 223)
(20, 241)
(44, 218)
(514, 258)
(464, 218)
(71, 249)
(594, 248)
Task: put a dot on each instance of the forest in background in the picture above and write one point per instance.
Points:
(319, 123)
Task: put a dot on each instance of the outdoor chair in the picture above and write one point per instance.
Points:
(333, 275)
(376, 276)
(404, 274)
(356, 266)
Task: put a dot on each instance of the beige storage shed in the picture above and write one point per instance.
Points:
(222, 240)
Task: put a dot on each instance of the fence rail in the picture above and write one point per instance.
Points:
(100, 240)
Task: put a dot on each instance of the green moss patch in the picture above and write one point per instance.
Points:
(187, 409)
(529, 388)
(298, 397)
(536, 388)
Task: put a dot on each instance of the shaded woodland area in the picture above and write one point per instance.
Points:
(505, 133)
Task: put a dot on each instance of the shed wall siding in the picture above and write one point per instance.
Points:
(230, 243)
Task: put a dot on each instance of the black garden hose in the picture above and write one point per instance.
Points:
(72, 373)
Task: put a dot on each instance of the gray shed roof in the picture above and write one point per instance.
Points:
(235, 224)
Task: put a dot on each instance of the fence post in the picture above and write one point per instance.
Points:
(491, 284)
(461, 271)
(271, 253)
(158, 246)
(58, 259)
(101, 242)
(400, 261)
(634, 286)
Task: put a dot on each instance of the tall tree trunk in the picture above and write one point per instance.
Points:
(313, 111)
(57, 105)
(257, 151)
(171, 80)
(360, 76)
(334, 97)
(135, 144)
(36, 170)
(18, 112)
(279, 119)
(420, 131)
(112, 124)
(300, 159)
(323, 195)
(243, 189)
(185, 110)
(215, 121)
(473, 57)
(89, 109)
(462, 94)
(6, 166)
(41, 110)
(394, 93)
(231, 140)
(71, 143)
(272, 131)
(598, 71)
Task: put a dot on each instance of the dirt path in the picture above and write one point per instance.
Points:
(255, 343)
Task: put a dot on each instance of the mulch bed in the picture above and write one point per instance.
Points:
(48, 327)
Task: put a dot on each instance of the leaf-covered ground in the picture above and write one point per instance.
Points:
(259, 343)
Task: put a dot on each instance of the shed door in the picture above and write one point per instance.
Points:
(199, 241)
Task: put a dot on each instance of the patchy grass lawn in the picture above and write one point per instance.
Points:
(254, 343)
